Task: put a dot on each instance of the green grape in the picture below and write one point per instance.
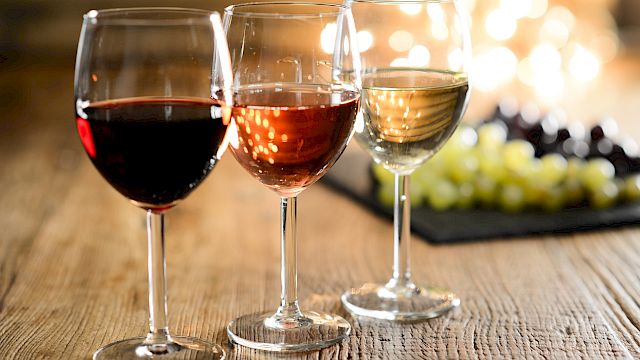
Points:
(435, 165)
(466, 195)
(459, 145)
(511, 198)
(385, 193)
(604, 196)
(596, 173)
(632, 187)
(416, 193)
(427, 175)
(465, 169)
(381, 174)
(517, 155)
(491, 136)
(553, 200)
(491, 164)
(573, 190)
(463, 137)
(443, 195)
(532, 174)
(534, 192)
(574, 167)
(486, 189)
(620, 185)
(553, 168)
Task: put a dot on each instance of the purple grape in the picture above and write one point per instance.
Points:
(606, 128)
(620, 160)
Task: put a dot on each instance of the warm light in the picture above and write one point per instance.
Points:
(435, 11)
(359, 125)
(455, 59)
(419, 56)
(544, 58)
(411, 9)
(399, 62)
(365, 40)
(563, 15)
(526, 73)
(469, 5)
(494, 68)
(555, 32)
(401, 41)
(439, 30)
(584, 65)
(328, 38)
(537, 9)
(517, 8)
(605, 45)
(549, 84)
(500, 25)
(232, 134)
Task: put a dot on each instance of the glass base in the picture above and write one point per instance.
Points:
(182, 347)
(315, 330)
(399, 303)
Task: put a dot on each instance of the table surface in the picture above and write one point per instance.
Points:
(73, 257)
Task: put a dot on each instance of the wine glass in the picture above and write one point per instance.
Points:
(296, 96)
(150, 115)
(415, 88)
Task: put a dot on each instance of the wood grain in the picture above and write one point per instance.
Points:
(73, 260)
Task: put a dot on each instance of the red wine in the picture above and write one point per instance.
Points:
(154, 151)
(288, 136)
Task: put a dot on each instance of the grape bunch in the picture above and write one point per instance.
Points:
(514, 163)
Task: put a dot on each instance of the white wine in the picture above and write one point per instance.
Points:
(408, 114)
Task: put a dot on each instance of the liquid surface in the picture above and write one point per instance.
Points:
(154, 151)
(288, 136)
(408, 114)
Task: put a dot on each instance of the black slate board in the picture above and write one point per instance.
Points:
(351, 176)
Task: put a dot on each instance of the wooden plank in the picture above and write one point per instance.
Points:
(35, 168)
(84, 280)
(73, 263)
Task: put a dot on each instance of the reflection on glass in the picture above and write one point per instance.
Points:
(293, 113)
(415, 90)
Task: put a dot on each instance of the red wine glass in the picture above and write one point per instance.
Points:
(296, 95)
(150, 112)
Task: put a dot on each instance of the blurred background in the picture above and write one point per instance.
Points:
(538, 55)
(549, 52)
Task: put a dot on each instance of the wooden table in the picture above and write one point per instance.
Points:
(73, 259)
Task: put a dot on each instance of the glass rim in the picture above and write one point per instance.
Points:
(231, 9)
(112, 14)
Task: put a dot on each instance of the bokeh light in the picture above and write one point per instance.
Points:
(419, 56)
(500, 24)
(401, 40)
(583, 65)
(494, 67)
(537, 9)
(328, 38)
(365, 40)
(517, 8)
(411, 9)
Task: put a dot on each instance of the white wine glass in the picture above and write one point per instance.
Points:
(415, 88)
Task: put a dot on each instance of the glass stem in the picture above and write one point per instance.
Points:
(288, 314)
(401, 235)
(158, 326)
